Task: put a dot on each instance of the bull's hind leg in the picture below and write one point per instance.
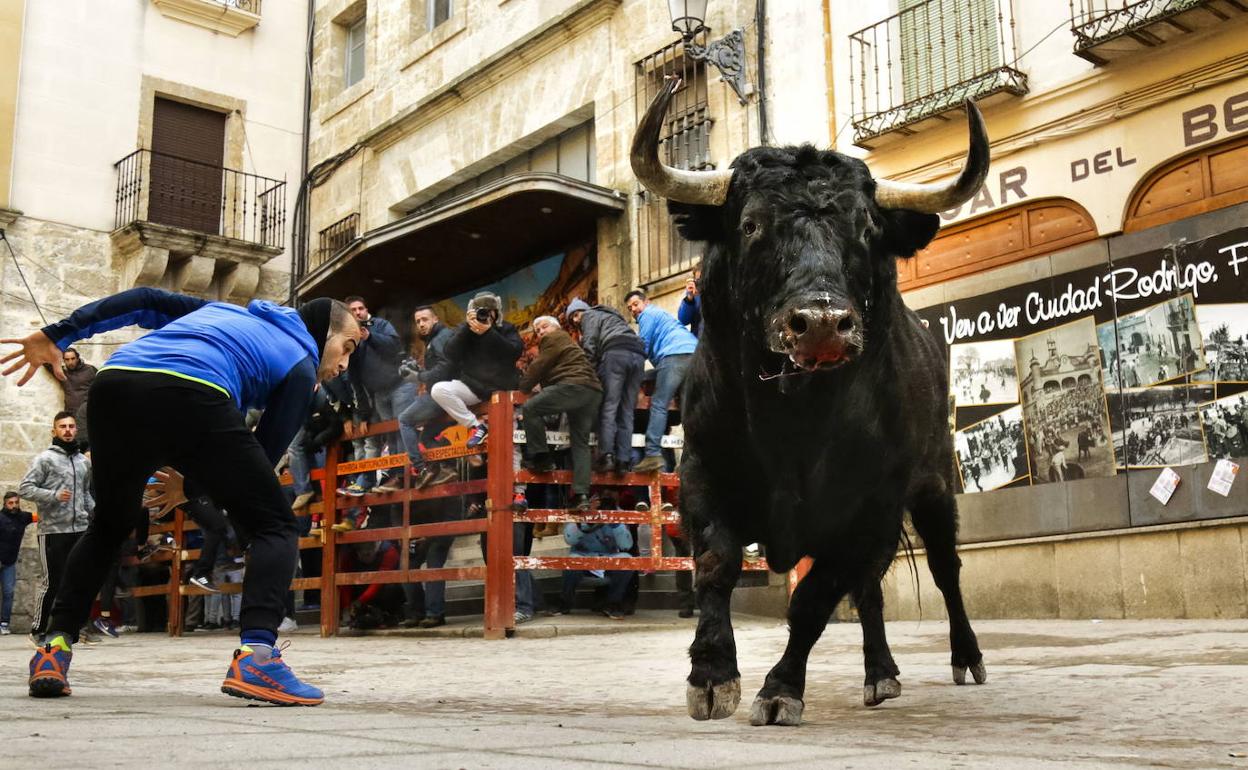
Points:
(714, 685)
(881, 681)
(780, 702)
(935, 517)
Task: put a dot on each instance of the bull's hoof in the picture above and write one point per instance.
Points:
(717, 701)
(875, 694)
(978, 671)
(776, 710)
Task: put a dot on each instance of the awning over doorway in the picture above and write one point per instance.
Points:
(467, 242)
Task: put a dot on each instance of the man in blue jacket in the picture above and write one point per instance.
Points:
(670, 348)
(177, 397)
(612, 540)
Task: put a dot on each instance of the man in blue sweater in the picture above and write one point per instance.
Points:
(177, 397)
(670, 347)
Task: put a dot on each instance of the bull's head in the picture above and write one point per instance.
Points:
(803, 241)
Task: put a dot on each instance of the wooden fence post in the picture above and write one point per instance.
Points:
(500, 578)
(329, 516)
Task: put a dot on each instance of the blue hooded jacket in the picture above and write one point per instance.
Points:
(248, 354)
(663, 334)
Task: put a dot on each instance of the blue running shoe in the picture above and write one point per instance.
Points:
(478, 435)
(271, 682)
(49, 669)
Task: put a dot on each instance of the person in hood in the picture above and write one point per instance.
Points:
(619, 357)
(59, 484)
(177, 397)
(13, 524)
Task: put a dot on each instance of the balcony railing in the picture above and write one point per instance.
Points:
(251, 6)
(926, 60)
(1108, 29)
(165, 189)
(336, 237)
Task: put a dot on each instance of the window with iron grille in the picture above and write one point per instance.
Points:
(684, 143)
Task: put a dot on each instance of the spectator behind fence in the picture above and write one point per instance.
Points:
(59, 484)
(483, 353)
(619, 357)
(670, 347)
(568, 386)
(690, 311)
(333, 403)
(377, 604)
(421, 420)
(13, 523)
(78, 377)
(610, 540)
(380, 393)
(212, 525)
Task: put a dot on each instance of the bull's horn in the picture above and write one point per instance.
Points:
(942, 196)
(705, 187)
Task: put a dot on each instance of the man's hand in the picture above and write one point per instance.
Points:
(36, 351)
(363, 332)
(691, 288)
(166, 491)
(63, 495)
(348, 429)
(477, 327)
(363, 427)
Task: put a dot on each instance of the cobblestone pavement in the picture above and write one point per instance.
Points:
(1076, 693)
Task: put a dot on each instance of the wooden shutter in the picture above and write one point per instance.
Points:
(944, 42)
(188, 152)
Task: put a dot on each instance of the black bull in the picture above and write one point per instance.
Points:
(816, 407)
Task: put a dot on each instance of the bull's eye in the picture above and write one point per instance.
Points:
(749, 227)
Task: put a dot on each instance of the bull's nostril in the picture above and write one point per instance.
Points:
(846, 324)
(798, 325)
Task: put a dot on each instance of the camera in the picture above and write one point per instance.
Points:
(409, 368)
(484, 315)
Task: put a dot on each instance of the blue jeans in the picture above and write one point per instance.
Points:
(522, 545)
(8, 579)
(668, 376)
(301, 462)
(439, 548)
(616, 580)
(620, 372)
(419, 421)
(386, 406)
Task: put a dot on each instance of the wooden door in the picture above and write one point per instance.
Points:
(188, 153)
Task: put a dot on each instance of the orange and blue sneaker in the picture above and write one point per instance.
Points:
(271, 681)
(49, 669)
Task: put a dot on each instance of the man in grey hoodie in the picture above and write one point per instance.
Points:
(619, 357)
(59, 484)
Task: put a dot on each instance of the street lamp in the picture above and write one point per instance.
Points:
(727, 54)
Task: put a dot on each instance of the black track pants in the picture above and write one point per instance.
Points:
(141, 421)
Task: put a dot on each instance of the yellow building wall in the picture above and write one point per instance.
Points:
(11, 12)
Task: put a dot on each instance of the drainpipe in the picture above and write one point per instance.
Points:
(298, 236)
(760, 20)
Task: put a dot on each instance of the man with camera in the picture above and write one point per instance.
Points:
(379, 391)
(483, 354)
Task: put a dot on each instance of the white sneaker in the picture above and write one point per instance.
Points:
(287, 625)
(521, 617)
(4, 629)
(128, 629)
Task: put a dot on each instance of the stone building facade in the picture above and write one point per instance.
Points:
(88, 197)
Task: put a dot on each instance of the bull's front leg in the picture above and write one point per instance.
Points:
(781, 700)
(714, 684)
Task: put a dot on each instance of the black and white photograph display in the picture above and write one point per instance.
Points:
(983, 373)
(1224, 332)
(1152, 345)
(1155, 427)
(1067, 428)
(1226, 426)
(992, 453)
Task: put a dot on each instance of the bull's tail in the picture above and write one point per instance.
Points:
(907, 545)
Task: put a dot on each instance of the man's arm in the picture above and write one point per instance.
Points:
(688, 311)
(145, 307)
(503, 342)
(538, 367)
(591, 331)
(389, 561)
(286, 410)
(32, 487)
(384, 339)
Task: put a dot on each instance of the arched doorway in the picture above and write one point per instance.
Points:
(1206, 179)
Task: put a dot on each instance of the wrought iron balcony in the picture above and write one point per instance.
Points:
(199, 197)
(335, 238)
(923, 62)
(1106, 30)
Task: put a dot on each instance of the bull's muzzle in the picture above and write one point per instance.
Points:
(817, 334)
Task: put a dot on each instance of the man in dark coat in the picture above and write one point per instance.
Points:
(568, 386)
(78, 377)
(419, 422)
(483, 351)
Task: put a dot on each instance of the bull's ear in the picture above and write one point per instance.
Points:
(697, 222)
(905, 232)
